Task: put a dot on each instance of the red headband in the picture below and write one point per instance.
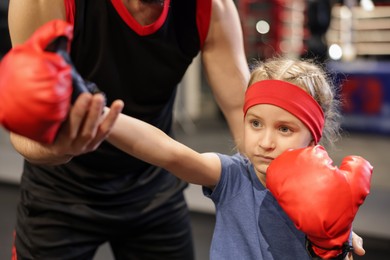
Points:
(289, 97)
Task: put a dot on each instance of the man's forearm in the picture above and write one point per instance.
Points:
(37, 153)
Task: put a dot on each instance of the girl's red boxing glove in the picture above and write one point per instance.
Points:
(36, 85)
(322, 200)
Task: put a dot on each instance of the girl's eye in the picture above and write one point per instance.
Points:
(255, 123)
(284, 129)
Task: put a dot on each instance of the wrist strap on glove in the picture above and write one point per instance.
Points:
(345, 249)
(59, 46)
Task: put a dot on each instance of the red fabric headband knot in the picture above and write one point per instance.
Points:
(289, 97)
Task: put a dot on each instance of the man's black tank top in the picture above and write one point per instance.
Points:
(142, 70)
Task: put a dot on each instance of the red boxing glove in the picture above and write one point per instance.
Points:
(36, 85)
(322, 200)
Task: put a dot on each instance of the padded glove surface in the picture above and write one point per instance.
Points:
(36, 85)
(321, 199)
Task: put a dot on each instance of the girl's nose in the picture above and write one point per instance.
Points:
(266, 140)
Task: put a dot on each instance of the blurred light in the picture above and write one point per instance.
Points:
(335, 52)
(367, 5)
(262, 27)
(285, 46)
(345, 12)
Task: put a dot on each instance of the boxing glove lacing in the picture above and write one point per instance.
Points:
(345, 249)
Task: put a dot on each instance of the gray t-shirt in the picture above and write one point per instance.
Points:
(250, 224)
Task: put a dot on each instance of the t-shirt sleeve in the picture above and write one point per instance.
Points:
(232, 181)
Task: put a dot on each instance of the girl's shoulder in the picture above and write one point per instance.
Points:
(237, 158)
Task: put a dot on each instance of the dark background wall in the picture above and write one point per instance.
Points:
(5, 42)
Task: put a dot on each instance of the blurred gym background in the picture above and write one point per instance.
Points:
(351, 38)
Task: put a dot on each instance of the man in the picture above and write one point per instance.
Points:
(74, 198)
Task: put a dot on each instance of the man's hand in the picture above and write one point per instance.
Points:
(83, 131)
(87, 125)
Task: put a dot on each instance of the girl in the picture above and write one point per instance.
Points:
(289, 104)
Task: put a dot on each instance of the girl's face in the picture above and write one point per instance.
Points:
(269, 131)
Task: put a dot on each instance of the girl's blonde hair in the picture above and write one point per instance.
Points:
(313, 79)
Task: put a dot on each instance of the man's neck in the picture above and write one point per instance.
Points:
(145, 12)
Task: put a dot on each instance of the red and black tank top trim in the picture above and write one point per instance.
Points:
(203, 10)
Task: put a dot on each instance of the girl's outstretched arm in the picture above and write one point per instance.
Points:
(152, 145)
